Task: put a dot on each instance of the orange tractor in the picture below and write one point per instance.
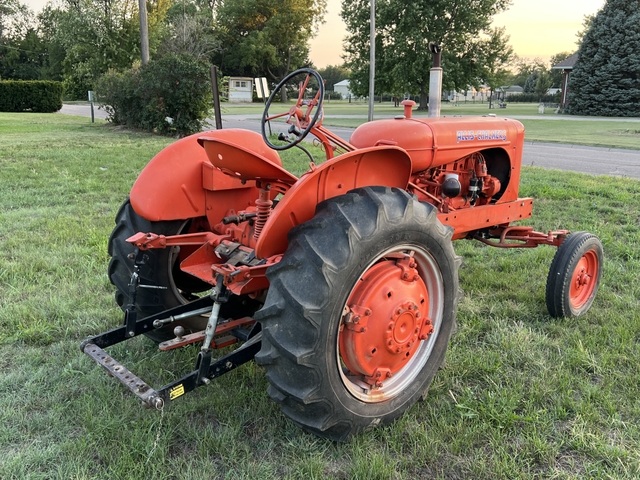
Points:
(343, 283)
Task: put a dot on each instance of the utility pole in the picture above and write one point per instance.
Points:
(372, 57)
(144, 32)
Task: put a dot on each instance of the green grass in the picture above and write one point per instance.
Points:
(521, 396)
(596, 133)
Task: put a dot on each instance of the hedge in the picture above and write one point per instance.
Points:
(533, 98)
(30, 95)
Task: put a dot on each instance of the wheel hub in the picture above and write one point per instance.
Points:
(385, 320)
(581, 284)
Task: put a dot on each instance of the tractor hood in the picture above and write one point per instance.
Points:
(431, 142)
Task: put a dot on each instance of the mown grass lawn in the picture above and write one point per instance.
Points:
(522, 395)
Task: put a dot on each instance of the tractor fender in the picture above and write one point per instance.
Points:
(173, 185)
(374, 166)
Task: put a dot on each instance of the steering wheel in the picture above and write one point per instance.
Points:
(301, 121)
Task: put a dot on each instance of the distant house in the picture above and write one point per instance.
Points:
(511, 90)
(240, 90)
(472, 95)
(343, 89)
(567, 67)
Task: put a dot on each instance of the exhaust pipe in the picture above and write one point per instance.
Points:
(435, 81)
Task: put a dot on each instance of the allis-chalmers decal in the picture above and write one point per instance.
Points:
(469, 135)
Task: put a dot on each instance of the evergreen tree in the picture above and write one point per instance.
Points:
(530, 84)
(606, 78)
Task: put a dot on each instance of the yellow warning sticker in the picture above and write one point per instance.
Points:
(176, 392)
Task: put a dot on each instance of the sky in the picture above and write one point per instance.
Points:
(539, 28)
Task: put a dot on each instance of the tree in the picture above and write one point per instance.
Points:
(24, 57)
(21, 51)
(530, 84)
(403, 60)
(333, 74)
(15, 18)
(606, 77)
(543, 84)
(494, 59)
(189, 30)
(266, 37)
(587, 21)
(97, 35)
(524, 69)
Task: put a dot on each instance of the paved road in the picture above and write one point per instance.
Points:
(580, 158)
(82, 110)
(577, 158)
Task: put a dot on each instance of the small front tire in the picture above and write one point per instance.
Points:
(574, 275)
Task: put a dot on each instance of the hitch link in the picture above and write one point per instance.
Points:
(212, 324)
(174, 318)
(220, 294)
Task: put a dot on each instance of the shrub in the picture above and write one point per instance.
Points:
(30, 95)
(77, 86)
(171, 96)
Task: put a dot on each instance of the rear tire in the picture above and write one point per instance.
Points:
(161, 269)
(322, 370)
(574, 275)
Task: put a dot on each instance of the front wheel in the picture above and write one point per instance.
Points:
(574, 275)
(359, 312)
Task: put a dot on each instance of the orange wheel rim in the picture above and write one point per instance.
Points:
(389, 324)
(584, 279)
